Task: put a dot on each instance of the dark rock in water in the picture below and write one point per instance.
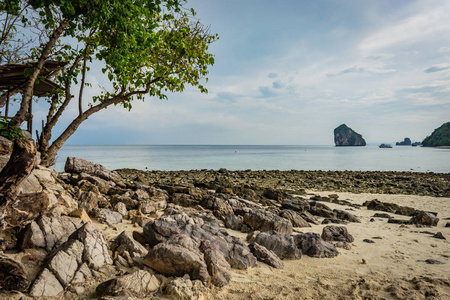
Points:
(334, 221)
(266, 256)
(424, 218)
(298, 205)
(345, 136)
(13, 275)
(336, 233)
(282, 245)
(218, 267)
(368, 241)
(177, 256)
(295, 218)
(439, 235)
(313, 245)
(261, 220)
(140, 284)
(406, 142)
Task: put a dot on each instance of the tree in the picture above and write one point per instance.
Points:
(145, 47)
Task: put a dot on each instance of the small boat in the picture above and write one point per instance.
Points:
(385, 146)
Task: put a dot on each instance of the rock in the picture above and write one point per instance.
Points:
(447, 224)
(390, 207)
(295, 218)
(251, 236)
(78, 166)
(178, 256)
(88, 196)
(434, 262)
(439, 235)
(64, 262)
(298, 205)
(261, 220)
(147, 207)
(218, 267)
(234, 222)
(102, 184)
(238, 203)
(266, 256)
(13, 275)
(121, 208)
(48, 232)
(81, 214)
(220, 208)
(107, 216)
(6, 146)
(346, 216)
(26, 208)
(184, 200)
(123, 242)
(406, 142)
(275, 194)
(398, 221)
(311, 244)
(345, 136)
(424, 218)
(140, 284)
(282, 245)
(309, 218)
(46, 285)
(381, 215)
(368, 241)
(334, 221)
(336, 233)
(185, 289)
(321, 212)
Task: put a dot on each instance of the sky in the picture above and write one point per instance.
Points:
(288, 72)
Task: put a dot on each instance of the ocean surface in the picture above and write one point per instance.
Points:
(239, 157)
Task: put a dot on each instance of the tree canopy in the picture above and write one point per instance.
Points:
(439, 137)
(144, 47)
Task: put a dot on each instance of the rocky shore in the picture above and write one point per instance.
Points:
(102, 234)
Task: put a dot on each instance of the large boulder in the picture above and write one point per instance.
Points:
(283, 246)
(424, 218)
(298, 205)
(313, 245)
(345, 136)
(294, 217)
(218, 267)
(140, 284)
(123, 242)
(220, 208)
(336, 233)
(266, 256)
(258, 219)
(78, 166)
(390, 207)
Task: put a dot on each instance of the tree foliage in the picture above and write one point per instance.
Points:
(144, 47)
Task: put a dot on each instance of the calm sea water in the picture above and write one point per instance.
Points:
(188, 157)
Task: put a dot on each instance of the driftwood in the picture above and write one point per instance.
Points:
(13, 275)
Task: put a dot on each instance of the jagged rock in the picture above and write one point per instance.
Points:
(382, 215)
(48, 232)
(283, 246)
(140, 284)
(218, 267)
(234, 222)
(345, 136)
(81, 214)
(346, 216)
(266, 256)
(88, 196)
(275, 194)
(389, 207)
(102, 184)
(311, 244)
(184, 289)
(220, 208)
(298, 205)
(238, 203)
(126, 199)
(424, 218)
(173, 222)
(309, 218)
(46, 285)
(251, 236)
(177, 256)
(121, 208)
(321, 212)
(64, 262)
(78, 166)
(336, 233)
(334, 221)
(261, 220)
(13, 275)
(107, 216)
(123, 242)
(295, 218)
(184, 200)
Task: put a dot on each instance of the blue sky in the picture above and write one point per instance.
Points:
(289, 72)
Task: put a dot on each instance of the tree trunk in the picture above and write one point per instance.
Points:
(19, 166)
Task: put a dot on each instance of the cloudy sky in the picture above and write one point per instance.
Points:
(289, 72)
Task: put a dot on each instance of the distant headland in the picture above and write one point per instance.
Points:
(439, 138)
(345, 136)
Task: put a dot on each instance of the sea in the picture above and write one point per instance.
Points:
(260, 157)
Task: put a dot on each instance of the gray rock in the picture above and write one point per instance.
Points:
(220, 208)
(64, 263)
(311, 244)
(309, 218)
(346, 216)
(78, 166)
(140, 284)
(282, 245)
(218, 267)
(46, 285)
(106, 216)
(234, 222)
(336, 233)
(294, 217)
(184, 289)
(123, 242)
(121, 208)
(266, 256)
(262, 220)
(321, 212)
(334, 221)
(424, 218)
(298, 205)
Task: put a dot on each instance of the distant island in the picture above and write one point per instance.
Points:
(406, 142)
(440, 137)
(345, 136)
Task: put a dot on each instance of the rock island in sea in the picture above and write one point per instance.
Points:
(345, 136)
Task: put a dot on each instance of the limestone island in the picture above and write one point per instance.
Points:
(439, 138)
(406, 142)
(345, 136)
